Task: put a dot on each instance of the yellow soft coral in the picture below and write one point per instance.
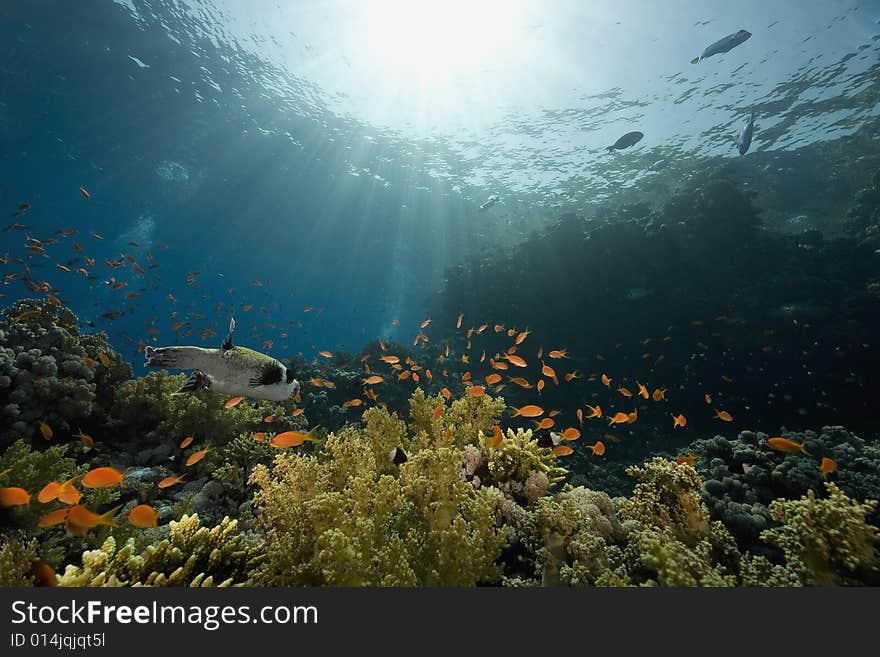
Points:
(826, 541)
(192, 556)
(351, 517)
(667, 496)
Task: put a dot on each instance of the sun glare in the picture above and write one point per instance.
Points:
(444, 39)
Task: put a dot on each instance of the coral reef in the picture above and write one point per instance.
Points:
(742, 476)
(354, 518)
(17, 557)
(44, 372)
(191, 555)
(148, 413)
(827, 541)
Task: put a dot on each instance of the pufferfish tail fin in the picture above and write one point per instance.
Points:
(197, 381)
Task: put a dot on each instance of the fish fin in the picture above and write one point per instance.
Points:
(160, 356)
(270, 375)
(695, 60)
(197, 380)
(227, 342)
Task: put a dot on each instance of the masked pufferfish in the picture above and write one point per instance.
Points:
(230, 370)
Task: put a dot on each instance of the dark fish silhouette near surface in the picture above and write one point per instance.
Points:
(629, 139)
(744, 140)
(726, 44)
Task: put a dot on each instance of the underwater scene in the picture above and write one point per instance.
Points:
(446, 294)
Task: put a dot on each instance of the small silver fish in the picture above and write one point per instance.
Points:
(492, 200)
(744, 140)
(726, 44)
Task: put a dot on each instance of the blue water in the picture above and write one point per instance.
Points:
(292, 144)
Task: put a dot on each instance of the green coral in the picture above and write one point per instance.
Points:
(17, 557)
(148, 411)
(827, 541)
(520, 467)
(192, 556)
(352, 518)
(574, 529)
(667, 496)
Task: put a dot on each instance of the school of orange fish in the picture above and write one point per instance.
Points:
(488, 375)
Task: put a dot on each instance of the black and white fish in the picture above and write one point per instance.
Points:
(744, 140)
(229, 370)
(397, 456)
(726, 44)
(492, 200)
(629, 139)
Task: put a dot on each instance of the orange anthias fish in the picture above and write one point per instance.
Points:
(528, 411)
(372, 380)
(186, 442)
(827, 466)
(708, 398)
(68, 493)
(291, 439)
(353, 402)
(170, 481)
(516, 360)
(562, 450)
(598, 448)
(619, 418)
(195, 457)
(659, 394)
(53, 518)
(558, 353)
(624, 391)
(493, 378)
(143, 515)
(476, 391)
(102, 478)
(643, 391)
(86, 439)
(79, 519)
(606, 381)
(571, 434)
(595, 411)
(49, 492)
(495, 439)
(787, 445)
(690, 459)
(14, 496)
(46, 430)
(580, 416)
(545, 423)
(678, 421)
(723, 415)
(233, 402)
(446, 392)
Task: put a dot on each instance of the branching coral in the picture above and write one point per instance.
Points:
(827, 541)
(191, 556)
(666, 496)
(147, 411)
(17, 557)
(574, 528)
(353, 518)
